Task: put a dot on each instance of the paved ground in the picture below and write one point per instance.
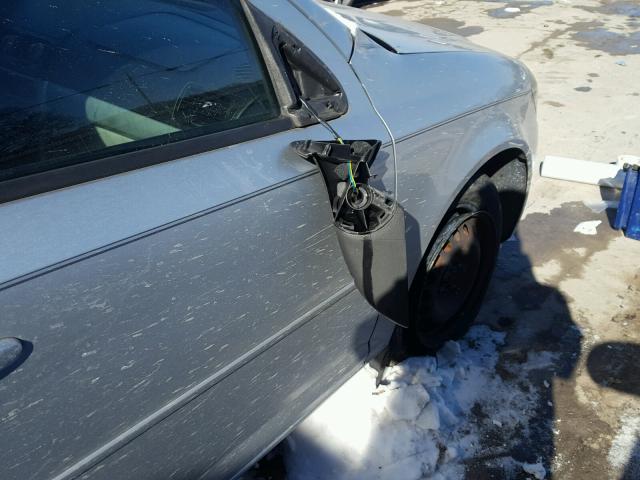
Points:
(557, 291)
(569, 298)
(589, 104)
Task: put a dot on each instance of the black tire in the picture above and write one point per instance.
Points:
(453, 277)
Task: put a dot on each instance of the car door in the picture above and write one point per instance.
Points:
(167, 263)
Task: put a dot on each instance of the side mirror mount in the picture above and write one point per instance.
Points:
(369, 223)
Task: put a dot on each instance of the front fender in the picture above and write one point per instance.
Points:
(435, 166)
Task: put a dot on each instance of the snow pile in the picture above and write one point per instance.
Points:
(622, 451)
(423, 421)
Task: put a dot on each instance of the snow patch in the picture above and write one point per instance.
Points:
(418, 423)
(588, 228)
(621, 452)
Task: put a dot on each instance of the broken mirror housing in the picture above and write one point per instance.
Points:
(369, 223)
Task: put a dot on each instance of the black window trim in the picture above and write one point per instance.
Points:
(280, 51)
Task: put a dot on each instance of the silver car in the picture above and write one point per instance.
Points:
(212, 213)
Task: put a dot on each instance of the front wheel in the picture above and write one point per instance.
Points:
(453, 278)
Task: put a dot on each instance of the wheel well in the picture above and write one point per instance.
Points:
(508, 172)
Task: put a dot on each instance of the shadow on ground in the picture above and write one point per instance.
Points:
(615, 365)
(543, 344)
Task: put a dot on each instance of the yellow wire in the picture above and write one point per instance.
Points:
(353, 180)
(351, 177)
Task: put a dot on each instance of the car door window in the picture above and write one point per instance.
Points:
(86, 80)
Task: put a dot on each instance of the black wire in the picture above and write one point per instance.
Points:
(322, 122)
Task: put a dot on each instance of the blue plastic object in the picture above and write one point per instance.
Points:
(628, 215)
(626, 197)
(633, 224)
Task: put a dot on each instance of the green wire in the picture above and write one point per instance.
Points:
(353, 180)
(351, 177)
